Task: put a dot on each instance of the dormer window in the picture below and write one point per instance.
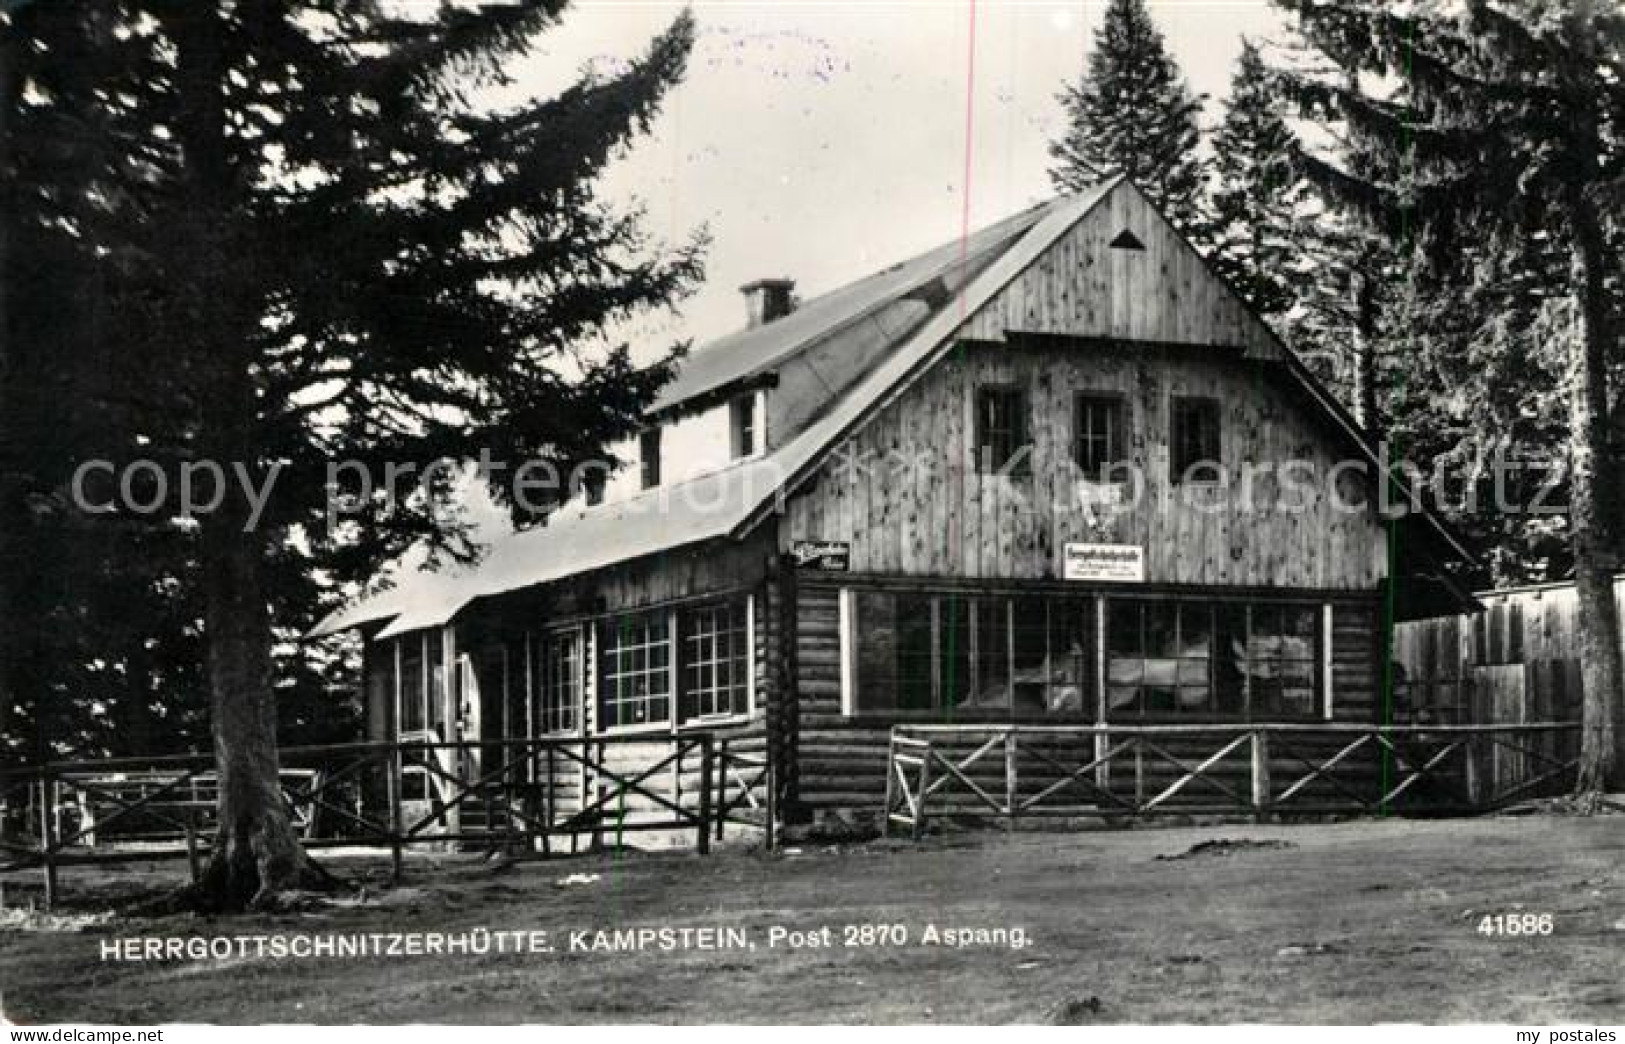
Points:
(649, 458)
(742, 439)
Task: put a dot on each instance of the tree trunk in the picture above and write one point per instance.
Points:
(9, 515)
(256, 853)
(16, 695)
(1617, 434)
(1591, 513)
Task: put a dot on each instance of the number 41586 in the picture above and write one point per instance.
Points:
(1516, 924)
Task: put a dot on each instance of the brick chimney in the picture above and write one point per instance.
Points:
(767, 300)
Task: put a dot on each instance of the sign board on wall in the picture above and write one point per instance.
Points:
(832, 556)
(1122, 563)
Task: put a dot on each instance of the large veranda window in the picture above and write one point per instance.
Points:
(977, 655)
(1212, 659)
(1034, 656)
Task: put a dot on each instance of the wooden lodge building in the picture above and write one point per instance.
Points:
(993, 483)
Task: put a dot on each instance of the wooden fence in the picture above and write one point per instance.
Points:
(515, 794)
(1537, 626)
(1259, 770)
(1493, 694)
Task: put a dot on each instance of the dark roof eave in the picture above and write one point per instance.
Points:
(483, 601)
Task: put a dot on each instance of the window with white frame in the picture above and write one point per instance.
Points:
(743, 436)
(634, 673)
(649, 457)
(439, 685)
(561, 675)
(694, 661)
(715, 666)
(414, 705)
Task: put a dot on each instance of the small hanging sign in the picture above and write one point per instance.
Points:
(1121, 563)
(831, 556)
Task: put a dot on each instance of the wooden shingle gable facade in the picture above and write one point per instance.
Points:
(1515, 660)
(995, 483)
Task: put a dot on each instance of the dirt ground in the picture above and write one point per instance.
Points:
(1359, 922)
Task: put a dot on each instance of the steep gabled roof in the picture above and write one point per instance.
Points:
(718, 504)
(798, 458)
(733, 501)
(747, 354)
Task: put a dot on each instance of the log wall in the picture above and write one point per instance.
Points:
(498, 635)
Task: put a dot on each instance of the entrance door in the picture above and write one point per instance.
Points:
(490, 678)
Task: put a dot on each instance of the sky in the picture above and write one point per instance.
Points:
(823, 141)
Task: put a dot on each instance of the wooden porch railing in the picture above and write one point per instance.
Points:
(530, 794)
(1259, 770)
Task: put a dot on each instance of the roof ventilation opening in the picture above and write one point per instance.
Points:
(767, 300)
(1126, 240)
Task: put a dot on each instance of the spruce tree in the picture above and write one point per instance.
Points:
(1483, 388)
(60, 85)
(326, 245)
(1257, 197)
(1501, 128)
(1132, 113)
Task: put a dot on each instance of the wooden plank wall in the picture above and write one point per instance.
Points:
(1438, 649)
(1547, 619)
(906, 494)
